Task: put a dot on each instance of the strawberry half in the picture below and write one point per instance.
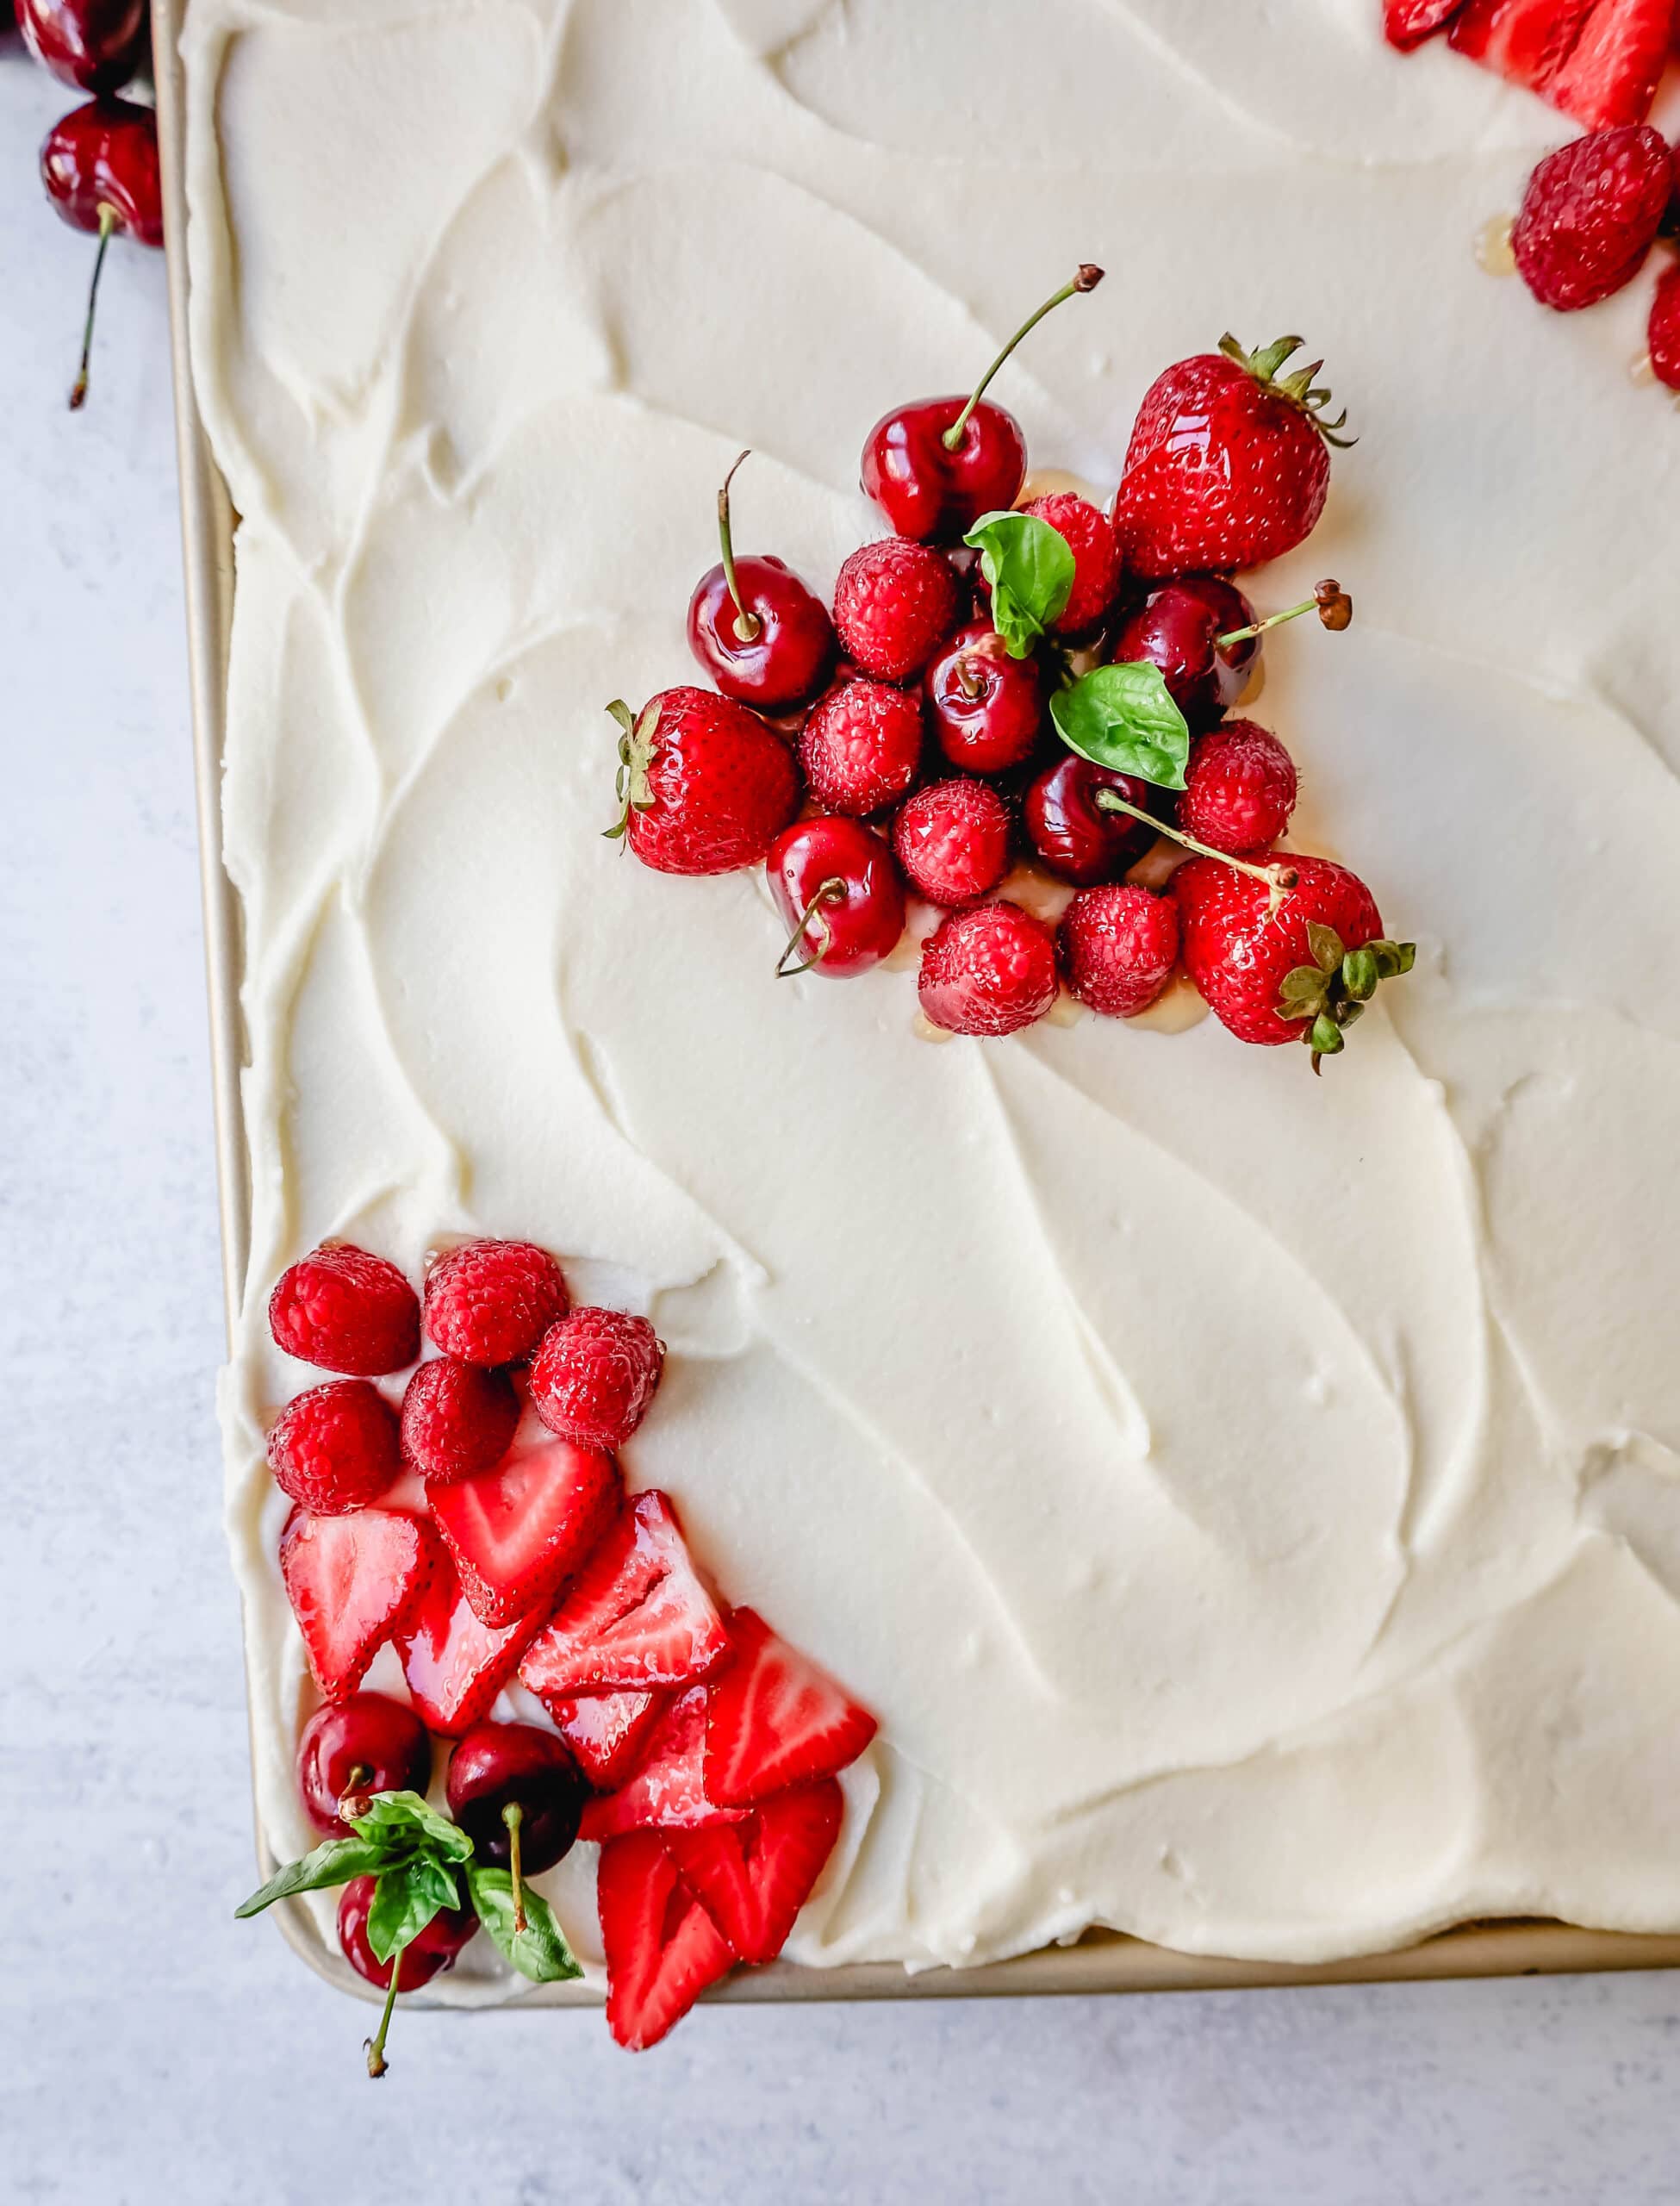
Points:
(1407, 23)
(517, 1533)
(668, 1786)
(775, 1719)
(1597, 59)
(637, 1615)
(454, 1665)
(662, 1948)
(754, 1876)
(351, 1581)
(606, 1731)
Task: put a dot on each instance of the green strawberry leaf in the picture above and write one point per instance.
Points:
(539, 1951)
(405, 1899)
(333, 1863)
(402, 1820)
(1124, 717)
(1030, 566)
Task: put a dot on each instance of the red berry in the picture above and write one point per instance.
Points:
(661, 1948)
(835, 884)
(637, 1615)
(453, 1665)
(752, 1878)
(95, 45)
(986, 708)
(490, 1302)
(707, 786)
(458, 1419)
(1177, 630)
(1240, 789)
(516, 1534)
(1407, 23)
(774, 1719)
(952, 839)
(861, 747)
(1597, 59)
(334, 1448)
(894, 605)
(352, 1581)
(342, 1309)
(435, 1948)
(1096, 564)
(988, 971)
(1664, 329)
(1118, 946)
(1589, 215)
(363, 1745)
(594, 1376)
(1077, 837)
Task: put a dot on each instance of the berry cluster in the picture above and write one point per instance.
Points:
(488, 1548)
(1046, 683)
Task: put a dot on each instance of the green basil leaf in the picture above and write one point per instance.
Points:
(403, 1819)
(333, 1863)
(1030, 566)
(539, 1951)
(405, 1899)
(1124, 717)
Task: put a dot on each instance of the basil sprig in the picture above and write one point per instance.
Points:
(1124, 717)
(1030, 566)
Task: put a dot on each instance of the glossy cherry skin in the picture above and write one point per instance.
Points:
(859, 922)
(368, 1741)
(934, 495)
(95, 45)
(495, 1765)
(435, 1948)
(106, 154)
(985, 708)
(1176, 629)
(1070, 832)
(788, 660)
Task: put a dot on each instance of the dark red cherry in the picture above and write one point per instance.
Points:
(500, 1768)
(762, 635)
(434, 1949)
(100, 168)
(95, 45)
(985, 708)
(836, 884)
(1073, 834)
(1177, 627)
(933, 468)
(363, 1745)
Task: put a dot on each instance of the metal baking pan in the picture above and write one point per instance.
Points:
(1102, 1961)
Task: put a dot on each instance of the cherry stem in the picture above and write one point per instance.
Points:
(1328, 600)
(375, 2045)
(1275, 877)
(108, 221)
(967, 681)
(1086, 279)
(832, 891)
(747, 626)
(514, 1815)
(351, 1803)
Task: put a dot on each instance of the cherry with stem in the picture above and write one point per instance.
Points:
(374, 2046)
(1086, 278)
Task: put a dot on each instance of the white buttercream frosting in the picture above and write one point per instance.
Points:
(1251, 1504)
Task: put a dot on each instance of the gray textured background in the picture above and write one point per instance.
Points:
(152, 2050)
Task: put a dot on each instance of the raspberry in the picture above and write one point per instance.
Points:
(1096, 548)
(1589, 214)
(1117, 946)
(1240, 789)
(894, 605)
(342, 1309)
(334, 1448)
(952, 840)
(861, 747)
(458, 1419)
(1663, 335)
(988, 971)
(595, 1375)
(491, 1301)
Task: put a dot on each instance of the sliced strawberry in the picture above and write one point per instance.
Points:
(1407, 23)
(668, 1788)
(776, 1719)
(1528, 40)
(662, 1948)
(607, 1731)
(454, 1665)
(351, 1581)
(1611, 74)
(517, 1533)
(754, 1876)
(637, 1615)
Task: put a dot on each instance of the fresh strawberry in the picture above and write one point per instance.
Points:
(1407, 23)
(988, 971)
(608, 1732)
(776, 1719)
(1228, 463)
(861, 746)
(1598, 60)
(1240, 789)
(595, 1375)
(895, 604)
(342, 1309)
(334, 1447)
(754, 1876)
(1117, 945)
(662, 1948)
(351, 1581)
(637, 1616)
(1528, 40)
(1300, 972)
(1589, 215)
(952, 839)
(517, 1533)
(490, 1302)
(1090, 536)
(703, 785)
(667, 1788)
(458, 1419)
(454, 1665)
(1663, 333)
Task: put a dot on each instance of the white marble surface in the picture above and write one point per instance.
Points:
(151, 2049)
